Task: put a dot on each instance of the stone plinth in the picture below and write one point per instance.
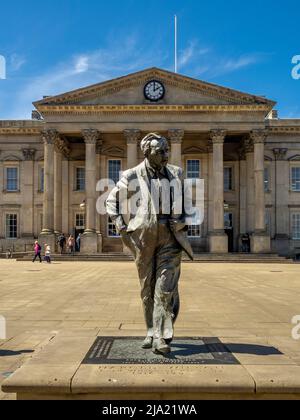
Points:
(49, 239)
(218, 243)
(260, 244)
(89, 243)
(58, 371)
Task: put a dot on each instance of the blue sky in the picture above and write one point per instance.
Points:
(54, 46)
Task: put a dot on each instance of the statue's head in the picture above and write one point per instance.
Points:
(156, 149)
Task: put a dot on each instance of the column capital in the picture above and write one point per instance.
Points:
(176, 135)
(29, 154)
(217, 136)
(91, 135)
(49, 136)
(280, 153)
(258, 136)
(132, 135)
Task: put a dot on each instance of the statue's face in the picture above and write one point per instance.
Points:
(159, 154)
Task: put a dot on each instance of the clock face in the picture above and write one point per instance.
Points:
(154, 90)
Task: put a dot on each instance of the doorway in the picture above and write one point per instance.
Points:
(228, 224)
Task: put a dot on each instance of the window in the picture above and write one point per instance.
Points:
(193, 169)
(11, 179)
(114, 169)
(228, 179)
(112, 231)
(296, 226)
(296, 179)
(194, 230)
(41, 180)
(80, 179)
(11, 226)
(80, 221)
(267, 180)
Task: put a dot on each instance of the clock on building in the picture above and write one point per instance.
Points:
(154, 91)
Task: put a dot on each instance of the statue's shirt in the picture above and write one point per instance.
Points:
(160, 190)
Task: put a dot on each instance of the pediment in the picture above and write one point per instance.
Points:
(11, 158)
(113, 151)
(129, 90)
(295, 158)
(193, 150)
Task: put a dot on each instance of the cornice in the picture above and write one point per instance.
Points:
(284, 130)
(149, 109)
(23, 131)
(24, 127)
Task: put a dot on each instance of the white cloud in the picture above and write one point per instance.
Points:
(16, 61)
(216, 65)
(191, 53)
(80, 70)
(82, 64)
(240, 62)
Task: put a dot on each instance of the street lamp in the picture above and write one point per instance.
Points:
(83, 205)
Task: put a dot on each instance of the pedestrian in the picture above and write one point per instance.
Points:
(37, 252)
(62, 242)
(9, 254)
(71, 244)
(48, 253)
(78, 242)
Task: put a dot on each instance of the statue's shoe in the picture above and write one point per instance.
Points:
(147, 343)
(161, 347)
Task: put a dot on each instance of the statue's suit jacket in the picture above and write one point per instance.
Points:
(144, 218)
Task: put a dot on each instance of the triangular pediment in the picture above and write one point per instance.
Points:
(129, 90)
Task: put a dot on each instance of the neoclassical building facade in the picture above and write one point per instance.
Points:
(248, 157)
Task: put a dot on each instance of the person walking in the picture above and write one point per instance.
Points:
(62, 242)
(48, 253)
(37, 252)
(71, 244)
(78, 242)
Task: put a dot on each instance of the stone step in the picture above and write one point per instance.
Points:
(205, 257)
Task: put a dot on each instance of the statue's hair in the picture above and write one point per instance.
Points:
(146, 142)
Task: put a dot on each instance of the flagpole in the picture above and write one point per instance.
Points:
(175, 43)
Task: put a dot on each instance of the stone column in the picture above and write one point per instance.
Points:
(65, 195)
(249, 149)
(281, 201)
(89, 238)
(218, 237)
(98, 177)
(242, 193)
(132, 137)
(260, 240)
(61, 151)
(210, 185)
(27, 193)
(176, 138)
(57, 188)
(47, 234)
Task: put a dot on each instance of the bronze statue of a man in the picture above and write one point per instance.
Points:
(156, 235)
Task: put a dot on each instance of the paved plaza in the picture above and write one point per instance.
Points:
(248, 307)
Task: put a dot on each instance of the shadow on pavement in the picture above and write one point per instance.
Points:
(5, 353)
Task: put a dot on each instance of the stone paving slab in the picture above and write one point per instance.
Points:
(249, 307)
